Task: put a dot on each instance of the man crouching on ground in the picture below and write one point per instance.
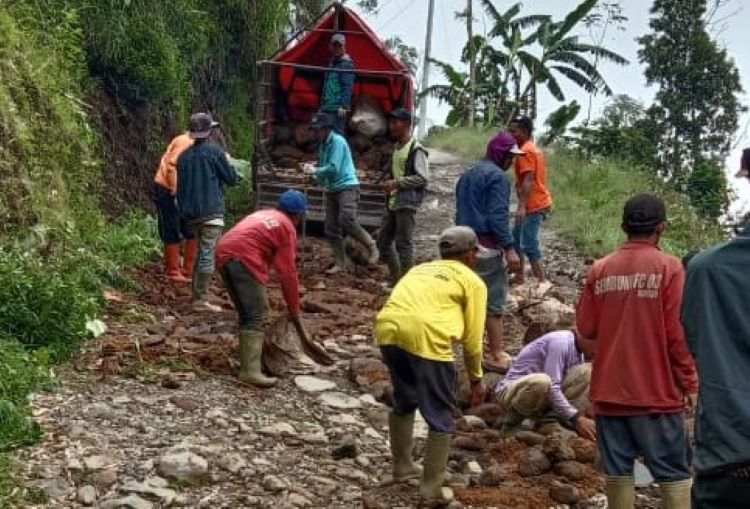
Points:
(550, 373)
(432, 306)
(244, 256)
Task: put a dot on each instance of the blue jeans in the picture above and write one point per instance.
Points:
(495, 277)
(660, 438)
(208, 236)
(526, 236)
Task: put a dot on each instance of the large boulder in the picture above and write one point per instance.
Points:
(550, 314)
(557, 449)
(182, 465)
(533, 463)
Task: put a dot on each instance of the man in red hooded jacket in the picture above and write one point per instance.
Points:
(643, 372)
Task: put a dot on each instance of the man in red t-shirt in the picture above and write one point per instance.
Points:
(244, 256)
(643, 373)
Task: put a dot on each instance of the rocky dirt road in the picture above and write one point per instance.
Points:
(150, 415)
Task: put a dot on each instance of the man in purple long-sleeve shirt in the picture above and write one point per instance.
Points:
(550, 373)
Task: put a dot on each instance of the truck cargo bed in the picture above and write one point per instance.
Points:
(270, 187)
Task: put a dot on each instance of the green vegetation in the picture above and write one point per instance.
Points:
(91, 93)
(589, 196)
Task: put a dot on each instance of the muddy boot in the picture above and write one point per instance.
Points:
(620, 492)
(676, 494)
(364, 238)
(201, 282)
(188, 259)
(431, 491)
(343, 263)
(251, 351)
(172, 263)
(401, 431)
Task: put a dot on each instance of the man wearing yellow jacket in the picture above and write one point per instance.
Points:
(434, 305)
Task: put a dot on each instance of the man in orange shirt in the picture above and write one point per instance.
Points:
(643, 374)
(534, 198)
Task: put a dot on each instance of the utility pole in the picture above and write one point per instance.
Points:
(426, 72)
(471, 112)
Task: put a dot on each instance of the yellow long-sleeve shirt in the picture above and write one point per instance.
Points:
(434, 305)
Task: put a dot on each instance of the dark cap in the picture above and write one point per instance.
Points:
(402, 114)
(201, 125)
(643, 212)
(524, 122)
(322, 120)
(457, 240)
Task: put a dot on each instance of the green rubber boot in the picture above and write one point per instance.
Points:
(343, 263)
(676, 494)
(431, 492)
(251, 350)
(620, 492)
(364, 238)
(201, 281)
(401, 431)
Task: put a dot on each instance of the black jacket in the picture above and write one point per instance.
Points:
(202, 172)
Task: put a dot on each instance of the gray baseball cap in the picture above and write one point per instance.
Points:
(457, 240)
(339, 39)
(201, 125)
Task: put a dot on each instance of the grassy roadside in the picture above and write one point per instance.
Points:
(589, 196)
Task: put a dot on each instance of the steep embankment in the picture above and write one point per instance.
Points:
(90, 93)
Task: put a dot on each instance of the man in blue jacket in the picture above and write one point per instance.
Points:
(337, 86)
(483, 204)
(204, 169)
(717, 328)
(336, 172)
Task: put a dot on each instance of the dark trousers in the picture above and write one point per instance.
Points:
(398, 229)
(170, 225)
(421, 383)
(660, 438)
(341, 214)
(721, 492)
(248, 295)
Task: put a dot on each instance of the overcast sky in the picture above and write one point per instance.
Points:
(407, 19)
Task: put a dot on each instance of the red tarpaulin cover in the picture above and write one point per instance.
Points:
(301, 88)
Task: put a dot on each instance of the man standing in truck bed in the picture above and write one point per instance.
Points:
(337, 85)
(409, 174)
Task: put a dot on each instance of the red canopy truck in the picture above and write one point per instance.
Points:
(289, 93)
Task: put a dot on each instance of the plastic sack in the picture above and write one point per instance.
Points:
(369, 118)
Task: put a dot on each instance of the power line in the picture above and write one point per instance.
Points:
(392, 18)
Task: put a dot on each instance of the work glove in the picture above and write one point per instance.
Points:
(309, 169)
(343, 113)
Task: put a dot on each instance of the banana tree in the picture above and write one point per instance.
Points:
(565, 55)
(455, 92)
